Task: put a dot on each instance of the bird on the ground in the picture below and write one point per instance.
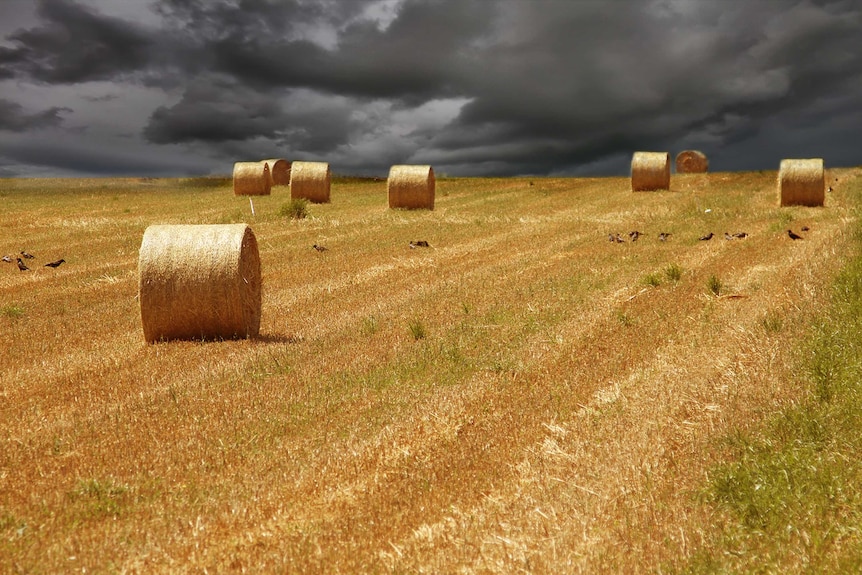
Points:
(7, 259)
(707, 237)
(793, 236)
(319, 248)
(830, 189)
(805, 228)
(664, 236)
(55, 264)
(419, 244)
(619, 239)
(740, 235)
(22, 266)
(611, 238)
(727, 236)
(26, 255)
(634, 235)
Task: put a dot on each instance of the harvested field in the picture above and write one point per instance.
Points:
(556, 412)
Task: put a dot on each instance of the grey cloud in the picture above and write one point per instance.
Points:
(14, 119)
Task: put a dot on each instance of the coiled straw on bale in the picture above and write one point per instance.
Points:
(801, 182)
(691, 162)
(650, 171)
(279, 172)
(411, 187)
(199, 281)
(310, 181)
(251, 179)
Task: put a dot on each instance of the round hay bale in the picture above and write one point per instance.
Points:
(251, 179)
(279, 171)
(801, 182)
(411, 187)
(310, 181)
(199, 281)
(650, 171)
(691, 162)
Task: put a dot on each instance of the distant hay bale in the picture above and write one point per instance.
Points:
(310, 181)
(650, 171)
(411, 187)
(199, 281)
(691, 162)
(279, 171)
(801, 182)
(251, 179)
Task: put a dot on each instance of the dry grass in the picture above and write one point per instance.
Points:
(556, 415)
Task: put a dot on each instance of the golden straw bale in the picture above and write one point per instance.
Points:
(411, 187)
(691, 162)
(279, 171)
(801, 182)
(650, 171)
(310, 181)
(251, 179)
(199, 281)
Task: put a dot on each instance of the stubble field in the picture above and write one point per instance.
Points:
(521, 396)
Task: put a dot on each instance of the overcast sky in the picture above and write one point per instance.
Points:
(472, 87)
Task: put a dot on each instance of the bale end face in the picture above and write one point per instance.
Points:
(650, 171)
(691, 162)
(411, 187)
(801, 182)
(199, 282)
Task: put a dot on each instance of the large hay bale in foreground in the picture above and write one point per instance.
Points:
(310, 181)
(411, 187)
(801, 182)
(650, 171)
(199, 281)
(251, 179)
(691, 162)
(279, 171)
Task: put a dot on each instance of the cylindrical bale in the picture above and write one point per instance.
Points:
(251, 179)
(310, 181)
(411, 187)
(650, 171)
(199, 282)
(801, 182)
(279, 171)
(691, 162)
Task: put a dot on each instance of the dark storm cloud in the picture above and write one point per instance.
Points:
(14, 119)
(478, 86)
(75, 44)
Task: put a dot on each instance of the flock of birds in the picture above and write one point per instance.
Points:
(23, 266)
(413, 245)
(664, 236)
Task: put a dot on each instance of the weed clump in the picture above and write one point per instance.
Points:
(297, 209)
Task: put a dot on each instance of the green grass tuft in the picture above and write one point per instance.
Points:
(417, 329)
(297, 209)
(673, 272)
(12, 310)
(714, 285)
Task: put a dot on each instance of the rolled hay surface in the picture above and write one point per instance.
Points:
(411, 187)
(650, 171)
(199, 282)
(310, 181)
(691, 162)
(251, 179)
(279, 171)
(801, 182)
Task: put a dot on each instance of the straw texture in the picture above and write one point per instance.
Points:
(650, 171)
(199, 281)
(251, 179)
(411, 187)
(279, 172)
(801, 182)
(310, 181)
(691, 162)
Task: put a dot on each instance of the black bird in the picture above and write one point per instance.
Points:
(805, 228)
(7, 259)
(22, 266)
(707, 237)
(619, 239)
(26, 255)
(419, 244)
(635, 235)
(830, 189)
(727, 236)
(793, 236)
(55, 264)
(664, 236)
(740, 235)
(319, 248)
